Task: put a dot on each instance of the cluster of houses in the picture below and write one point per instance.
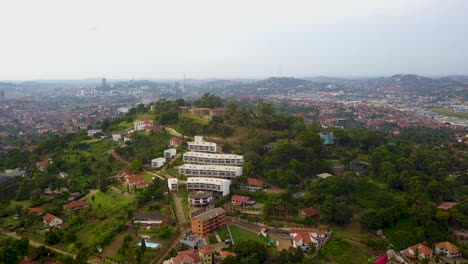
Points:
(132, 181)
(446, 250)
(146, 125)
(202, 256)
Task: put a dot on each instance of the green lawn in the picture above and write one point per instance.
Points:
(341, 251)
(147, 176)
(239, 234)
(109, 202)
(24, 204)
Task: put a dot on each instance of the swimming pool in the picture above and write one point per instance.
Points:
(150, 244)
(298, 195)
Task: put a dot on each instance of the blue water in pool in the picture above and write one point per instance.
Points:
(149, 244)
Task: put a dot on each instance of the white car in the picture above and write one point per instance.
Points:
(277, 243)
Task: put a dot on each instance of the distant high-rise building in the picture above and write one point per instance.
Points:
(104, 83)
(2, 95)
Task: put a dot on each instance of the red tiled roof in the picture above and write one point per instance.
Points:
(205, 251)
(190, 256)
(151, 128)
(239, 198)
(311, 212)
(256, 182)
(175, 139)
(35, 210)
(227, 253)
(422, 249)
(446, 205)
(48, 218)
(129, 136)
(75, 204)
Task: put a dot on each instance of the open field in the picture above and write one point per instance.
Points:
(109, 203)
(239, 234)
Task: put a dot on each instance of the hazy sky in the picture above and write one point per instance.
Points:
(46, 39)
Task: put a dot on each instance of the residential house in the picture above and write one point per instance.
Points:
(135, 181)
(92, 132)
(200, 198)
(190, 240)
(447, 249)
(240, 200)
(38, 211)
(328, 138)
(74, 205)
(149, 129)
(225, 254)
(200, 111)
(170, 153)
(74, 196)
(128, 138)
(140, 125)
(252, 184)
(199, 145)
(324, 175)
(174, 142)
(310, 212)
(206, 255)
(173, 184)
(158, 162)
(304, 238)
(150, 218)
(116, 136)
(209, 221)
(217, 111)
(419, 251)
(42, 164)
(52, 220)
(186, 257)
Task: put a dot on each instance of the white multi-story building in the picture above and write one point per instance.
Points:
(170, 153)
(213, 159)
(198, 145)
(158, 163)
(216, 171)
(219, 187)
(116, 136)
(92, 132)
(173, 184)
(141, 124)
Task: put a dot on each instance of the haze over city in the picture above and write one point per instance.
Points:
(231, 39)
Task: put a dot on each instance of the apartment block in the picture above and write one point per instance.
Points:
(217, 171)
(207, 222)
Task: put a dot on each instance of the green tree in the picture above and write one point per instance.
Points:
(136, 166)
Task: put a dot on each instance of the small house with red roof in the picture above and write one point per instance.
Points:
(148, 129)
(38, 211)
(42, 164)
(240, 200)
(304, 238)
(252, 184)
(135, 181)
(141, 124)
(419, 251)
(225, 254)
(174, 142)
(128, 138)
(51, 220)
(74, 205)
(206, 255)
(186, 257)
(310, 212)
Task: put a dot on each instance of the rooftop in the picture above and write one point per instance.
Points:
(200, 194)
(210, 214)
(207, 180)
(209, 167)
(213, 155)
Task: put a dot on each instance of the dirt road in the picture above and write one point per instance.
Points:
(118, 157)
